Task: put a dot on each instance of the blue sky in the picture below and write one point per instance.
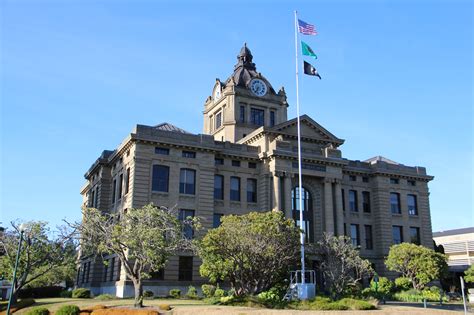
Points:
(77, 75)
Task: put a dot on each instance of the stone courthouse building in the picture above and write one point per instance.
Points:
(246, 160)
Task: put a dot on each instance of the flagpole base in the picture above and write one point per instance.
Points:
(306, 291)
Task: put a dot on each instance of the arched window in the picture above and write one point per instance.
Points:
(307, 211)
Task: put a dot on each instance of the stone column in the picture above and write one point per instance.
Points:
(328, 208)
(339, 211)
(287, 192)
(276, 192)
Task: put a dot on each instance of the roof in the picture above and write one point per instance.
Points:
(245, 70)
(377, 158)
(169, 127)
(454, 232)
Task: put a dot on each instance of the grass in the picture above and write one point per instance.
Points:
(55, 303)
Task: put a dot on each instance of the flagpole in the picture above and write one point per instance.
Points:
(300, 192)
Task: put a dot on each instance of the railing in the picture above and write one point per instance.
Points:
(295, 279)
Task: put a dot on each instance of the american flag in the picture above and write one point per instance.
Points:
(305, 28)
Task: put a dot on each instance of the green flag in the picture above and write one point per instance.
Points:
(307, 51)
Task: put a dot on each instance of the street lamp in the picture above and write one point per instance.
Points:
(22, 228)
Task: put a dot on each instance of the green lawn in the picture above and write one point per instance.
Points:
(54, 303)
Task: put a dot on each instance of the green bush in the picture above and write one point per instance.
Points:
(148, 294)
(65, 294)
(38, 311)
(354, 304)
(227, 299)
(175, 293)
(382, 290)
(208, 290)
(192, 293)
(403, 284)
(432, 294)
(219, 293)
(319, 303)
(68, 310)
(271, 298)
(104, 297)
(81, 293)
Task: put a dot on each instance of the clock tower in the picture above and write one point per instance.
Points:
(244, 102)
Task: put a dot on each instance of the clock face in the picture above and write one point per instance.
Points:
(258, 87)
(217, 94)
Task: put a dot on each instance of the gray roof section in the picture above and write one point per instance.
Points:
(454, 232)
(380, 158)
(169, 127)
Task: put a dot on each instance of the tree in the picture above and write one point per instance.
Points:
(253, 251)
(469, 274)
(341, 264)
(417, 263)
(41, 256)
(143, 239)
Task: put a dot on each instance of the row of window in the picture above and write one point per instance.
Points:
(257, 116)
(395, 204)
(184, 153)
(395, 181)
(192, 155)
(395, 207)
(117, 186)
(109, 270)
(354, 203)
(236, 163)
(187, 184)
(397, 235)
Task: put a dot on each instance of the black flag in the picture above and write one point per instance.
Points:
(310, 70)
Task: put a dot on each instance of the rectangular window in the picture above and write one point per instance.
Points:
(218, 120)
(415, 235)
(369, 244)
(411, 183)
(397, 234)
(127, 183)
(106, 270)
(252, 165)
(353, 201)
(235, 163)
(217, 220)
(162, 151)
(92, 198)
(114, 190)
(352, 178)
(235, 188)
(365, 179)
(219, 187)
(185, 216)
(96, 198)
(366, 201)
(112, 269)
(355, 236)
(343, 200)
(395, 203)
(394, 181)
(158, 275)
(189, 154)
(412, 205)
(187, 180)
(257, 116)
(185, 269)
(251, 190)
(272, 118)
(160, 178)
(120, 185)
(242, 113)
(218, 161)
